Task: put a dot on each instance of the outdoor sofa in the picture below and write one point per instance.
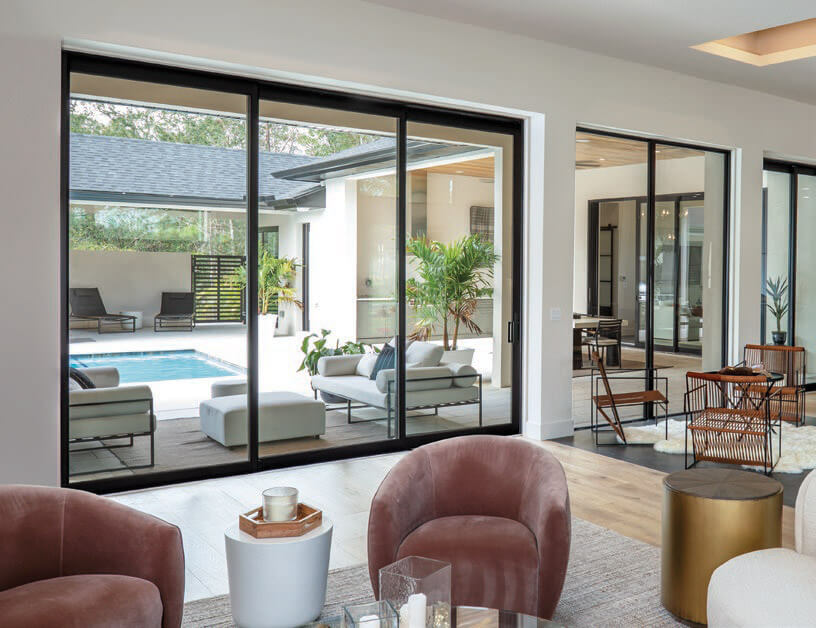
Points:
(110, 412)
(430, 383)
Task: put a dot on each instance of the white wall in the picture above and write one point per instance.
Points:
(130, 280)
(414, 55)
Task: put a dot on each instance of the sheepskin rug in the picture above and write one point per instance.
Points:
(798, 443)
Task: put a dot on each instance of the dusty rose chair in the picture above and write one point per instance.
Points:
(495, 507)
(69, 558)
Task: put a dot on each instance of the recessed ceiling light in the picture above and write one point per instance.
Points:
(601, 158)
(778, 44)
(459, 171)
(583, 141)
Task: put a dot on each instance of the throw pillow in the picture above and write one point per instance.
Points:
(366, 364)
(385, 360)
(80, 378)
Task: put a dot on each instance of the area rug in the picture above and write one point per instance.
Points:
(612, 580)
(798, 443)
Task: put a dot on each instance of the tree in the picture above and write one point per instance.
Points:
(451, 279)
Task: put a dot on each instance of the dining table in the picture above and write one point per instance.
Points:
(613, 357)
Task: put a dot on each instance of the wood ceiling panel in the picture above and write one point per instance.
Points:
(602, 151)
(481, 168)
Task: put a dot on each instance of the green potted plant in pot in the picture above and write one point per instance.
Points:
(316, 346)
(777, 290)
(275, 278)
(451, 278)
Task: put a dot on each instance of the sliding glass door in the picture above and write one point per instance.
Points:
(250, 274)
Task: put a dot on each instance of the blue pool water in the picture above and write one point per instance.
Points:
(154, 366)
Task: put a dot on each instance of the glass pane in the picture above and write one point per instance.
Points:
(664, 275)
(157, 231)
(776, 244)
(459, 278)
(689, 287)
(328, 192)
(609, 276)
(806, 267)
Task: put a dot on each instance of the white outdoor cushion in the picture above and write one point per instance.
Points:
(333, 365)
(424, 353)
(422, 378)
(102, 376)
(107, 402)
(101, 426)
(228, 387)
(281, 415)
(460, 371)
(366, 364)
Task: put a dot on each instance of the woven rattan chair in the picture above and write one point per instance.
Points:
(602, 404)
(790, 393)
(728, 418)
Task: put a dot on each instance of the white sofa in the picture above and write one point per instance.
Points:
(429, 383)
(773, 587)
(110, 412)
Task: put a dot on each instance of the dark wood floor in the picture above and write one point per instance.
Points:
(646, 456)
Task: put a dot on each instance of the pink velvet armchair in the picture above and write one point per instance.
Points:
(69, 558)
(495, 507)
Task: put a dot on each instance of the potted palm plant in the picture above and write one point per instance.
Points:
(777, 290)
(450, 280)
(275, 276)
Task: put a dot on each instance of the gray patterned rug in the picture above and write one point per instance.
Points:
(612, 580)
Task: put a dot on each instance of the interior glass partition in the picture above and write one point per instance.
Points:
(788, 229)
(657, 215)
(157, 229)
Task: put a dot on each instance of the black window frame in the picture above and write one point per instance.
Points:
(255, 90)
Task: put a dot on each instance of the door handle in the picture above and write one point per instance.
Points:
(510, 332)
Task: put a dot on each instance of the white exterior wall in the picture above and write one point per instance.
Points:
(559, 87)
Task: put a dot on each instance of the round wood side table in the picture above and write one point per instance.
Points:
(710, 516)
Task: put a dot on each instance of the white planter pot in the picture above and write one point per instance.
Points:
(459, 356)
(266, 326)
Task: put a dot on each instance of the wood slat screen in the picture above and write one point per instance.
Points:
(216, 300)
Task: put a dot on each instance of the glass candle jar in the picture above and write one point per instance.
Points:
(280, 503)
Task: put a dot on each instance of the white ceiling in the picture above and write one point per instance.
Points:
(654, 32)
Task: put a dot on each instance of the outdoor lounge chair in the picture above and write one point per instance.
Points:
(86, 305)
(177, 312)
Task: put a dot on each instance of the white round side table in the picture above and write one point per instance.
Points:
(138, 315)
(277, 583)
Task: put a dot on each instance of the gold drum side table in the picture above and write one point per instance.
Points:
(710, 516)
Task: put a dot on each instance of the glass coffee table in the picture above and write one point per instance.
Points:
(470, 617)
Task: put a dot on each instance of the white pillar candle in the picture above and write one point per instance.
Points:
(417, 609)
(280, 503)
(369, 621)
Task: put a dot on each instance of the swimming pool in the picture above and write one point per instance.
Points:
(155, 366)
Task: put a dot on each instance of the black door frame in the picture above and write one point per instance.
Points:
(255, 90)
(793, 169)
(651, 199)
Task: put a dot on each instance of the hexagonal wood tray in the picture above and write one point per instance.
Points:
(252, 522)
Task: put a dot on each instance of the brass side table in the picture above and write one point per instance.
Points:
(710, 516)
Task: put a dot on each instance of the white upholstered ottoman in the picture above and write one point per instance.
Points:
(281, 415)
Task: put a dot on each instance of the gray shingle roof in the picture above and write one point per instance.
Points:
(145, 168)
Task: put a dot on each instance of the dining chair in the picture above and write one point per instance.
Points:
(729, 419)
(609, 402)
(606, 334)
(790, 362)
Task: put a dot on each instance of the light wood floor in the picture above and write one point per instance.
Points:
(611, 493)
